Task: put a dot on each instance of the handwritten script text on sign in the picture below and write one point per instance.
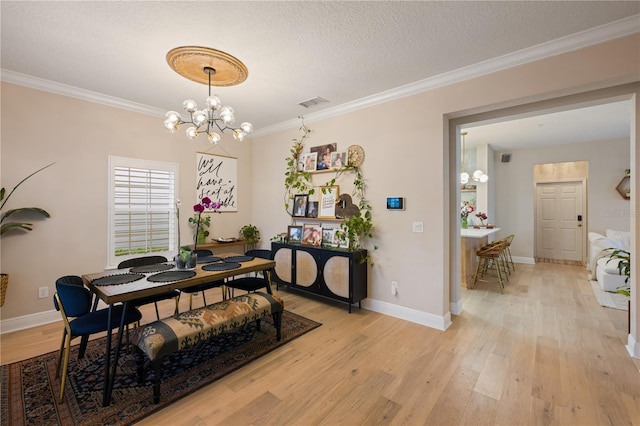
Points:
(217, 179)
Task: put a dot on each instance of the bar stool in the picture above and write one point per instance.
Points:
(509, 239)
(491, 258)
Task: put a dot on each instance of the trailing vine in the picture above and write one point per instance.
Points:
(354, 228)
(296, 180)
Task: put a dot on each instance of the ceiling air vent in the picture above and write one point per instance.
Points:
(311, 102)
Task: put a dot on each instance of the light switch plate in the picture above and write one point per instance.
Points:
(418, 227)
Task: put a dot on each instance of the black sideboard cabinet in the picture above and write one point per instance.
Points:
(333, 273)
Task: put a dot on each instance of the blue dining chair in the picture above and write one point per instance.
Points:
(201, 287)
(170, 294)
(74, 301)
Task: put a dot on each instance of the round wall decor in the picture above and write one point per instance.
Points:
(355, 155)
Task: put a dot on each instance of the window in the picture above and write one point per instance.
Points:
(142, 208)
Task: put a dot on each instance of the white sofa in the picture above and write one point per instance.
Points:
(605, 271)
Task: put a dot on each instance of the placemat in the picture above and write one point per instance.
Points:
(165, 277)
(152, 268)
(232, 259)
(220, 266)
(117, 279)
(208, 259)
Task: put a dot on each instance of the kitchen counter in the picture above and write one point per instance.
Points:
(471, 240)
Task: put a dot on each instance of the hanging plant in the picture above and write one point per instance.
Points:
(354, 228)
(296, 181)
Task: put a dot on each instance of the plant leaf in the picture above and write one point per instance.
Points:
(5, 227)
(25, 209)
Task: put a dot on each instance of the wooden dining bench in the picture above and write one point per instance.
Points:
(166, 336)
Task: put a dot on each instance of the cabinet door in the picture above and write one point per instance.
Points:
(306, 268)
(336, 271)
(283, 256)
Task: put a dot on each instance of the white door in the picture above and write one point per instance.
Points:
(559, 219)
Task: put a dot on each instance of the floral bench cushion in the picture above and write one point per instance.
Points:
(168, 335)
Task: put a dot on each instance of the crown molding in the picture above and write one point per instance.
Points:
(590, 37)
(596, 35)
(77, 93)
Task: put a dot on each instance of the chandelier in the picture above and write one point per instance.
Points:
(213, 67)
(478, 175)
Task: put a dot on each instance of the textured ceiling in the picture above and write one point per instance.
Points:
(341, 51)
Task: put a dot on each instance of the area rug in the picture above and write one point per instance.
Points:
(609, 299)
(30, 391)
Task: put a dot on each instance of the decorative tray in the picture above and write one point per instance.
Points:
(226, 240)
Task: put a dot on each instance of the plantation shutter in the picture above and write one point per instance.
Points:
(143, 213)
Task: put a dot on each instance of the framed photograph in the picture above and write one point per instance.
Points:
(309, 161)
(338, 160)
(312, 209)
(312, 234)
(295, 234)
(340, 239)
(328, 238)
(300, 205)
(328, 198)
(323, 153)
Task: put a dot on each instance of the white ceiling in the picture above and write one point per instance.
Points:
(342, 51)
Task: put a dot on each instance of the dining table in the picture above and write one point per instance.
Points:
(124, 285)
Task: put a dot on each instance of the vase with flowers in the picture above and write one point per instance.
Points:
(465, 210)
(187, 258)
(208, 205)
(482, 217)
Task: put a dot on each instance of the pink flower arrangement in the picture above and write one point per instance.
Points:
(465, 209)
(482, 217)
(204, 204)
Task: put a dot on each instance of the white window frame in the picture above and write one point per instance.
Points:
(123, 162)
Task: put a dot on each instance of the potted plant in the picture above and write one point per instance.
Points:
(250, 234)
(16, 226)
(624, 267)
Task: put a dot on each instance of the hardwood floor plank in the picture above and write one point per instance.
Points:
(544, 352)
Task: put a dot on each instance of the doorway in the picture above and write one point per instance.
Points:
(499, 115)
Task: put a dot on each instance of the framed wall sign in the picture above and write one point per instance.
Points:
(217, 178)
(328, 198)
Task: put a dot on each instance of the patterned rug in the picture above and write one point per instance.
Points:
(30, 391)
(609, 299)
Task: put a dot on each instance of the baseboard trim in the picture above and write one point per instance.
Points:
(408, 314)
(456, 307)
(526, 260)
(633, 347)
(27, 321)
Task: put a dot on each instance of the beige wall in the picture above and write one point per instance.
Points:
(407, 154)
(79, 136)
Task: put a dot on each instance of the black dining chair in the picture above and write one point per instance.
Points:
(255, 282)
(170, 294)
(201, 287)
(74, 301)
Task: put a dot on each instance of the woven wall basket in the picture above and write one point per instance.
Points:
(4, 283)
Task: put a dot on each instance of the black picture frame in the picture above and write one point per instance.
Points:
(300, 205)
(312, 209)
(294, 234)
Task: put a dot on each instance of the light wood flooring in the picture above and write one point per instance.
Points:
(542, 353)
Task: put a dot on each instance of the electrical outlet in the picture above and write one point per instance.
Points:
(418, 227)
(43, 292)
(394, 287)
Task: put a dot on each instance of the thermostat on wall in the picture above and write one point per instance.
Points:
(395, 203)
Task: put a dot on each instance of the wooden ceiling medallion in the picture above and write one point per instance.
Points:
(191, 61)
